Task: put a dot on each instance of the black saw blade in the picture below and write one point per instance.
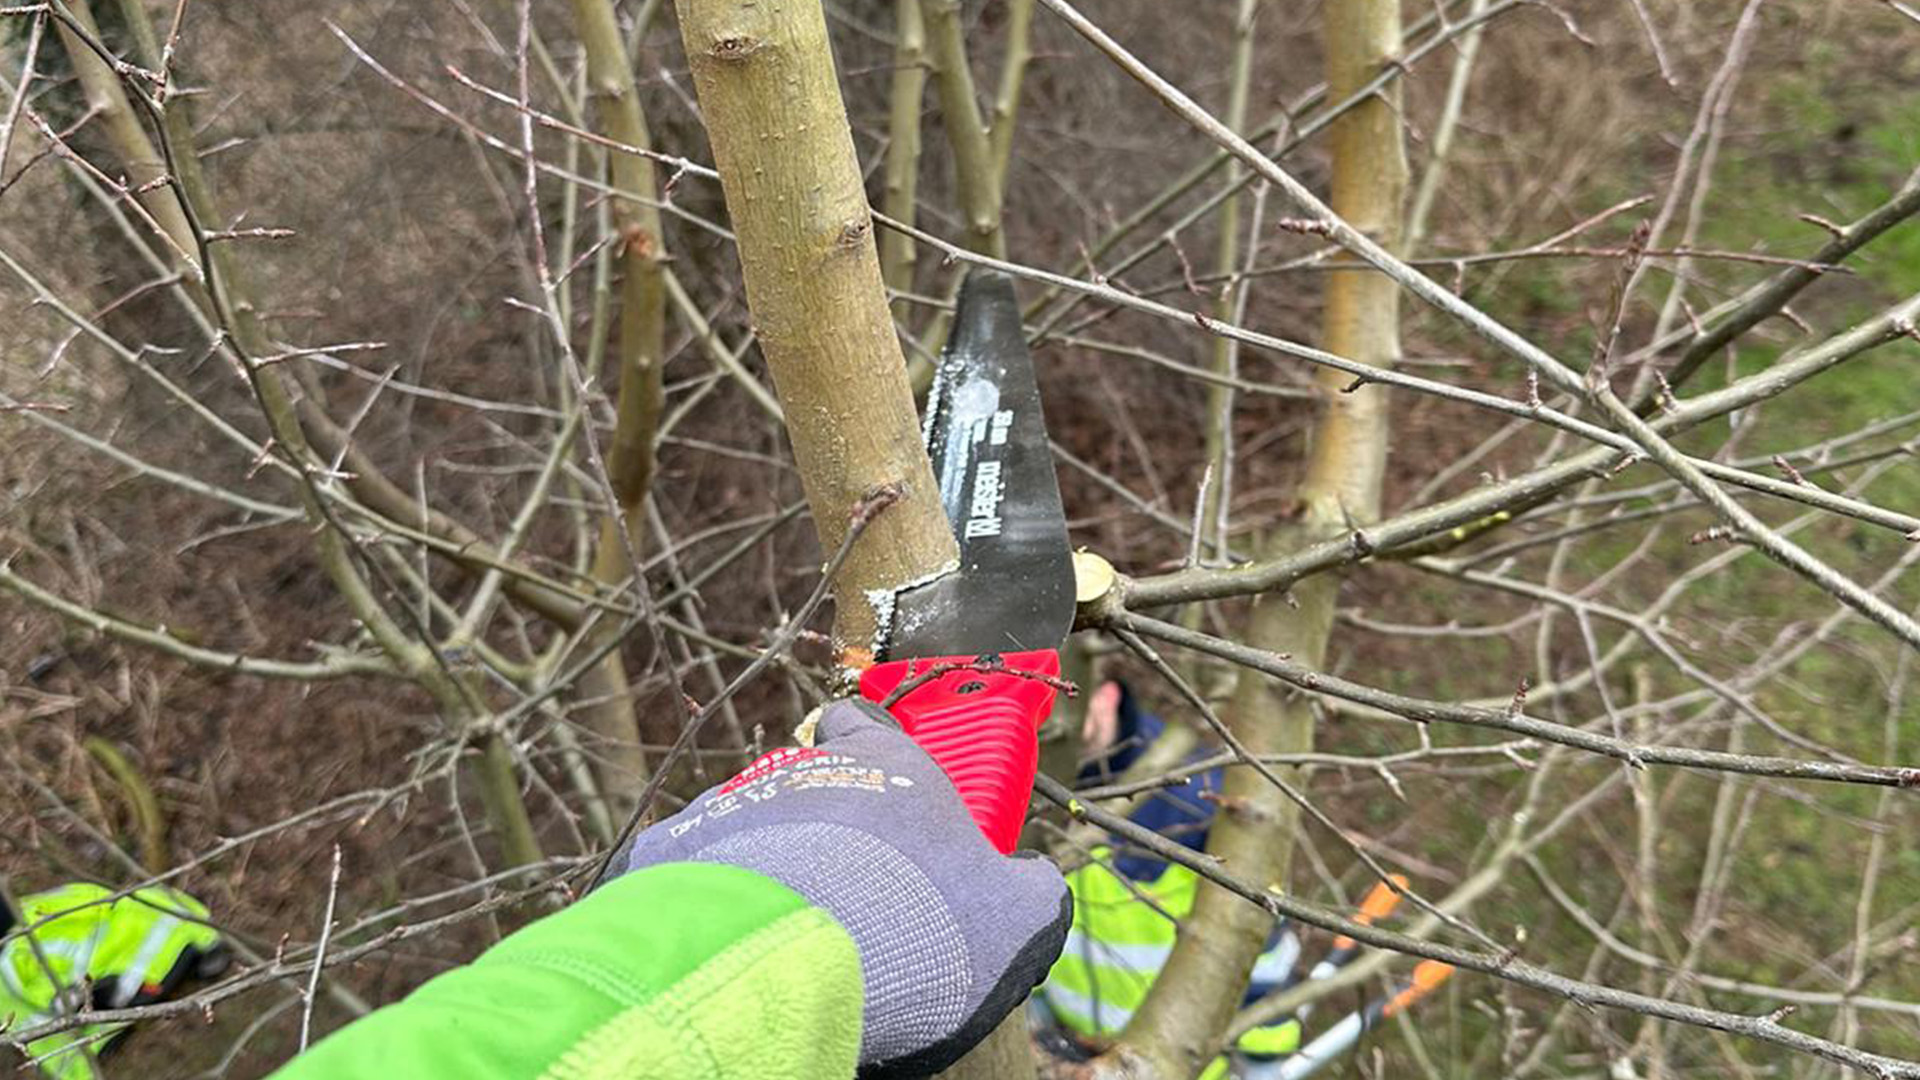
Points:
(987, 440)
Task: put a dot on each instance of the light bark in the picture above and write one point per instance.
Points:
(1362, 319)
(1174, 1033)
(771, 98)
(904, 137)
(1006, 1054)
(1212, 536)
(982, 150)
(608, 707)
(1006, 100)
(973, 157)
(140, 159)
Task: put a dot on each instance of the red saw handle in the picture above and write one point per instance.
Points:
(982, 727)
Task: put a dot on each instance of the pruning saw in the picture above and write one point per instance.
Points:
(981, 642)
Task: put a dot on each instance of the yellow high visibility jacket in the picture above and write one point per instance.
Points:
(76, 936)
(1119, 943)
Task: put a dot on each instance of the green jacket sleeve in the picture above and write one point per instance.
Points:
(680, 971)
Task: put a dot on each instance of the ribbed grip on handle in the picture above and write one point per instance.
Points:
(982, 727)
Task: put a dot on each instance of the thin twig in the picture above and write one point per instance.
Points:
(319, 953)
(1502, 965)
(1425, 711)
(865, 511)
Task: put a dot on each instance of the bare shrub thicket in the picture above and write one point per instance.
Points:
(392, 475)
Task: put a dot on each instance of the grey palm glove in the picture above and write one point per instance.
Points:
(952, 935)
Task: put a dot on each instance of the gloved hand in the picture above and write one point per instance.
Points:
(73, 947)
(952, 935)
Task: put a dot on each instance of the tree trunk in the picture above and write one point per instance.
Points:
(974, 176)
(1007, 1054)
(1180, 1026)
(767, 86)
(609, 710)
(897, 249)
(1362, 318)
(138, 156)
(1218, 499)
